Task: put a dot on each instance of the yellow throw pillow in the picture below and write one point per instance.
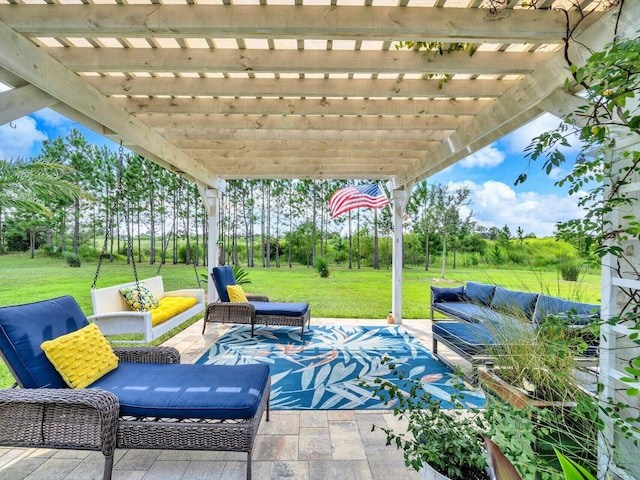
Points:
(81, 357)
(139, 299)
(236, 294)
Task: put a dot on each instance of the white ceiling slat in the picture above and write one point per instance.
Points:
(329, 135)
(219, 87)
(271, 106)
(473, 25)
(301, 123)
(304, 61)
(298, 145)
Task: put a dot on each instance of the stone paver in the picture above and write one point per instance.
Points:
(300, 445)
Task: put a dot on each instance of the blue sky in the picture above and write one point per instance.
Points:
(536, 206)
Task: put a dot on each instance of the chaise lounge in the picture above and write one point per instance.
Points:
(252, 309)
(139, 398)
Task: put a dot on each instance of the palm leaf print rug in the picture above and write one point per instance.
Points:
(324, 371)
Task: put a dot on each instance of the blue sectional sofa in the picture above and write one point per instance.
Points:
(480, 315)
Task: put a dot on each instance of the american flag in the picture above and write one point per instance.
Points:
(348, 198)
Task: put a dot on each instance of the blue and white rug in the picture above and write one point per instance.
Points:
(324, 371)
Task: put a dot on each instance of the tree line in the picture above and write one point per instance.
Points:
(78, 192)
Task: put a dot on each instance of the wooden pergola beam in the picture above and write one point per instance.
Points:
(184, 60)
(284, 21)
(289, 87)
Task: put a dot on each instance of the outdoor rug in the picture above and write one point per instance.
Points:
(324, 371)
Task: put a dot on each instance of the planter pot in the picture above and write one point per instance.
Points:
(496, 386)
(428, 473)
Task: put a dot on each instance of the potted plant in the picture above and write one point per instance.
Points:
(538, 373)
(440, 442)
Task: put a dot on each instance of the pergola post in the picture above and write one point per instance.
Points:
(211, 200)
(399, 199)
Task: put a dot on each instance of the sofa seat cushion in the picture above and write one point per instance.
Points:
(285, 309)
(23, 328)
(470, 312)
(515, 303)
(471, 338)
(169, 307)
(575, 312)
(474, 338)
(186, 391)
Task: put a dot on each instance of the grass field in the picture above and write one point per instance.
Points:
(364, 293)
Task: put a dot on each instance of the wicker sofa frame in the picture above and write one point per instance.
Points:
(89, 419)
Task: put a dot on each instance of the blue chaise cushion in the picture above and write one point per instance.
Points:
(440, 294)
(185, 390)
(285, 309)
(23, 328)
(479, 293)
(515, 303)
(223, 276)
(471, 338)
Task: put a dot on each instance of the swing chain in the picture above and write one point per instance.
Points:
(109, 229)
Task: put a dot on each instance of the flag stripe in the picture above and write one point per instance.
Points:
(362, 196)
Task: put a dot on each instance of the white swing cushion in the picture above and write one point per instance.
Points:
(115, 317)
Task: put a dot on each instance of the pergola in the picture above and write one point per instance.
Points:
(237, 89)
(228, 89)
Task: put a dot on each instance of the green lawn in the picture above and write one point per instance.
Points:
(364, 293)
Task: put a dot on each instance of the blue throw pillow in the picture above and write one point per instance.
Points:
(479, 292)
(455, 294)
(516, 303)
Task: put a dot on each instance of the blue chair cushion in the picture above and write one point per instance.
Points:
(440, 294)
(185, 390)
(576, 312)
(223, 276)
(285, 309)
(479, 293)
(23, 328)
(515, 303)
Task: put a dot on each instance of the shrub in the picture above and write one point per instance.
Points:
(322, 267)
(570, 269)
(72, 259)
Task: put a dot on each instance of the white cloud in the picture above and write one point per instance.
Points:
(51, 118)
(17, 138)
(488, 157)
(495, 204)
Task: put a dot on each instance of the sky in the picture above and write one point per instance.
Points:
(535, 206)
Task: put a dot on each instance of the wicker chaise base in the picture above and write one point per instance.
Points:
(88, 419)
(237, 435)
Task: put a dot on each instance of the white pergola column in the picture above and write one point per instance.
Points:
(399, 199)
(211, 200)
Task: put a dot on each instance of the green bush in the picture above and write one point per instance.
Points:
(322, 266)
(72, 259)
(570, 269)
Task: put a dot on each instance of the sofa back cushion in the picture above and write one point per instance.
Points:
(222, 277)
(440, 294)
(479, 293)
(515, 303)
(24, 327)
(576, 312)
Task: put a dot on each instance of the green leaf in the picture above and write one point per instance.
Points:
(572, 470)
